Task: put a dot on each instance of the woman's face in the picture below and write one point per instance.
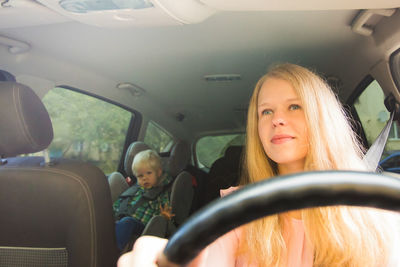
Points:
(282, 126)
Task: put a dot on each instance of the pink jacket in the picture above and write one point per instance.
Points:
(222, 252)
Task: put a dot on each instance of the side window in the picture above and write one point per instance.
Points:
(211, 148)
(87, 128)
(156, 137)
(373, 116)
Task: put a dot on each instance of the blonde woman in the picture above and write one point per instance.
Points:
(296, 124)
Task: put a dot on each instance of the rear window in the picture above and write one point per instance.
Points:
(87, 128)
(211, 148)
(156, 137)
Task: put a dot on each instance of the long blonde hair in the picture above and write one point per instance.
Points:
(340, 235)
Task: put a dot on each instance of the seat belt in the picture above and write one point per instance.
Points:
(374, 153)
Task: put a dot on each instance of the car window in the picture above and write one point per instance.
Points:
(87, 128)
(373, 116)
(211, 148)
(156, 137)
(392, 160)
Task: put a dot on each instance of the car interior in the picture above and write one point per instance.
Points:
(85, 85)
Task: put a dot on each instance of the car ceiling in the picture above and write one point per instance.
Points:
(169, 62)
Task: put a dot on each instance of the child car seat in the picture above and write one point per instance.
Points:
(181, 186)
(224, 173)
(117, 181)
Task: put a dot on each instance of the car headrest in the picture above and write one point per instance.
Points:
(6, 76)
(174, 163)
(233, 152)
(131, 152)
(179, 158)
(25, 125)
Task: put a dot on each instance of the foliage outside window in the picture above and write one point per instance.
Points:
(156, 137)
(87, 128)
(211, 148)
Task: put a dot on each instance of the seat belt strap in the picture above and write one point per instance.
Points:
(374, 153)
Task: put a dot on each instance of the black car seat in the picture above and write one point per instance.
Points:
(54, 213)
(199, 178)
(224, 173)
(178, 160)
(117, 180)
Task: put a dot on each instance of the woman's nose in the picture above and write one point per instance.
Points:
(278, 119)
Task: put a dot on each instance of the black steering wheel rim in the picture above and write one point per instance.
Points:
(281, 194)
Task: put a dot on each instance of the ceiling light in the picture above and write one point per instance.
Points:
(131, 13)
(84, 6)
(222, 77)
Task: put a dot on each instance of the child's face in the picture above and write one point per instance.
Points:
(147, 177)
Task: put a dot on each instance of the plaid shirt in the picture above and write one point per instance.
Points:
(148, 209)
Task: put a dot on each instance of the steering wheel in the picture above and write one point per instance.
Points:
(280, 194)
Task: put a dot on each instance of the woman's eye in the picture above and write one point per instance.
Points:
(140, 176)
(266, 112)
(148, 173)
(294, 107)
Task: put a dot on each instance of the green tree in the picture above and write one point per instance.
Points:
(156, 137)
(87, 128)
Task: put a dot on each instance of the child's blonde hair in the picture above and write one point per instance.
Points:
(147, 158)
(340, 235)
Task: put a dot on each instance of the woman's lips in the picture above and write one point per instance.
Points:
(281, 138)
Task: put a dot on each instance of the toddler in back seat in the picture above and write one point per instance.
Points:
(148, 199)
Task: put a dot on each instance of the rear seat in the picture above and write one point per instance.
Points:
(199, 178)
(224, 173)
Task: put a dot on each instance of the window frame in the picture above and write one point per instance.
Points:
(395, 58)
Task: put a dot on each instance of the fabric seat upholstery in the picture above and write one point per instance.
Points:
(224, 172)
(55, 213)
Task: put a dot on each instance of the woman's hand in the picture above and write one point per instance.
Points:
(145, 253)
